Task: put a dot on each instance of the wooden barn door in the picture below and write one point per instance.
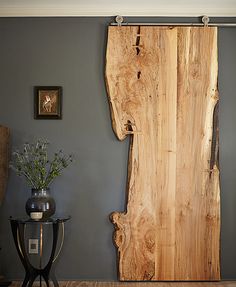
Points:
(162, 89)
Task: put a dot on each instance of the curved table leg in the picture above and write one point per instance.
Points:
(26, 280)
(31, 281)
(18, 230)
(53, 278)
(31, 273)
(46, 279)
(46, 271)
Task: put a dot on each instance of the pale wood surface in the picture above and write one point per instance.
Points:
(162, 90)
(132, 284)
(4, 157)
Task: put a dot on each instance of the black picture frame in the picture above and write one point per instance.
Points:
(48, 102)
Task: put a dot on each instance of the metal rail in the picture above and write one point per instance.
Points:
(176, 24)
(205, 23)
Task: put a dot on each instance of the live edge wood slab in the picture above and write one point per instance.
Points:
(162, 90)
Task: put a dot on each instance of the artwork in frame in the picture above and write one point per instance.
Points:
(48, 102)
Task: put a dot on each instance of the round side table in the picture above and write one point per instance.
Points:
(18, 227)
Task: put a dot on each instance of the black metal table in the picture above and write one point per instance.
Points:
(18, 227)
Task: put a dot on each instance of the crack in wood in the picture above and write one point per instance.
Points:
(138, 74)
(214, 160)
(138, 41)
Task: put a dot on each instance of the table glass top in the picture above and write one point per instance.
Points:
(53, 219)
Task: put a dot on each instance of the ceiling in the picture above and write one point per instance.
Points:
(21, 8)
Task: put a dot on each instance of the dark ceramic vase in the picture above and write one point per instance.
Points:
(41, 201)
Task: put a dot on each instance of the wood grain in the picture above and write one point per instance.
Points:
(132, 284)
(4, 157)
(162, 90)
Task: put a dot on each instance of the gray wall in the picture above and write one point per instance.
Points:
(70, 52)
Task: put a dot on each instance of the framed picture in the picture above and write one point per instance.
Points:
(47, 102)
